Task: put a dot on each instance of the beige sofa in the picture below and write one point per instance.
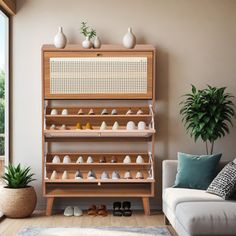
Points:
(194, 212)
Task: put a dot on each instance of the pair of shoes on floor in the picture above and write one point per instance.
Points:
(100, 210)
(73, 211)
(122, 209)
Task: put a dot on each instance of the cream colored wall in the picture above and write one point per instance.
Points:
(196, 43)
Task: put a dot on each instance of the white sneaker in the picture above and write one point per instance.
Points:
(64, 112)
(56, 159)
(63, 127)
(77, 211)
(52, 127)
(69, 211)
(139, 112)
(139, 175)
(104, 175)
(115, 126)
(90, 160)
(104, 112)
(78, 175)
(54, 175)
(115, 175)
(130, 125)
(64, 175)
(91, 112)
(129, 112)
(127, 159)
(141, 125)
(114, 112)
(80, 160)
(127, 175)
(139, 159)
(66, 159)
(91, 175)
(103, 126)
(54, 112)
(80, 112)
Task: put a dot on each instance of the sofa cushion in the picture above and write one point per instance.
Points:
(207, 218)
(224, 183)
(196, 171)
(175, 196)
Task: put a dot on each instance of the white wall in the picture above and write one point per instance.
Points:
(196, 43)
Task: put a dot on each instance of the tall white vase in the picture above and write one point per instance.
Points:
(97, 42)
(60, 39)
(129, 40)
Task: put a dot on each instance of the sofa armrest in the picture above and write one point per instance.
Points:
(169, 171)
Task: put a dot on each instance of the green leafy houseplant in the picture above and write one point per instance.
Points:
(17, 177)
(87, 31)
(207, 114)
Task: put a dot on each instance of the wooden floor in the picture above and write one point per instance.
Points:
(10, 227)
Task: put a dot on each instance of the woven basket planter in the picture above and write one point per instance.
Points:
(17, 203)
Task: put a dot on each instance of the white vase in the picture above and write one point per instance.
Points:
(129, 40)
(60, 39)
(87, 43)
(97, 42)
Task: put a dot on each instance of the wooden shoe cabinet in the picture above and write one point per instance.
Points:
(111, 77)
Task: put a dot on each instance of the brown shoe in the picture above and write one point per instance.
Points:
(102, 210)
(92, 211)
(102, 159)
(113, 159)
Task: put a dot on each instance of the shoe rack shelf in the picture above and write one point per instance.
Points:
(113, 75)
(146, 168)
(96, 120)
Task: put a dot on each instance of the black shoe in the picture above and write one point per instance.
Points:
(116, 209)
(126, 209)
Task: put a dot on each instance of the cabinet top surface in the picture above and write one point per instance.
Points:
(104, 47)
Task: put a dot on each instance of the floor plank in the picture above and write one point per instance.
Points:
(10, 227)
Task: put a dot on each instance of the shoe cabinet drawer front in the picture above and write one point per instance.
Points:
(98, 75)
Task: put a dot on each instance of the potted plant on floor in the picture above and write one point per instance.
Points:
(17, 198)
(207, 114)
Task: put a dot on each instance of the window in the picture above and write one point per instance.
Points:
(4, 89)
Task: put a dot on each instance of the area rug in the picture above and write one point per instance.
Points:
(96, 231)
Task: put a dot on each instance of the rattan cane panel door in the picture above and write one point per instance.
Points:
(98, 75)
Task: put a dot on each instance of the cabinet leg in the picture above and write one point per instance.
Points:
(50, 201)
(146, 205)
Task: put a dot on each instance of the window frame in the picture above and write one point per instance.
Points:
(7, 88)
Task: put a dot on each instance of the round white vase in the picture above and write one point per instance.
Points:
(97, 42)
(129, 40)
(87, 43)
(60, 39)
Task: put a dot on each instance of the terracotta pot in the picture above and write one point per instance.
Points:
(17, 202)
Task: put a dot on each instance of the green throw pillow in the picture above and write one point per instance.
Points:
(196, 172)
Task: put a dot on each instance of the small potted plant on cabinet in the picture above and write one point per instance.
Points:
(88, 33)
(207, 114)
(17, 198)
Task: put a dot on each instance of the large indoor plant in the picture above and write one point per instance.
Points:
(207, 114)
(17, 198)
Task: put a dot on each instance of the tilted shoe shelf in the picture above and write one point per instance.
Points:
(76, 80)
(109, 157)
(146, 168)
(96, 120)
